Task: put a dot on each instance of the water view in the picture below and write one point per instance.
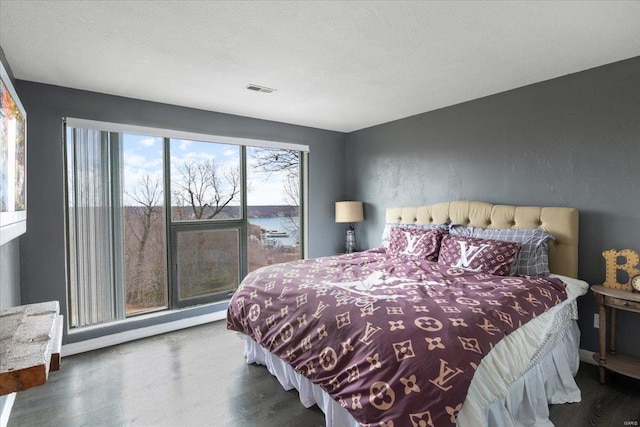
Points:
(278, 231)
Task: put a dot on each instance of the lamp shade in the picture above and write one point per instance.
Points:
(349, 212)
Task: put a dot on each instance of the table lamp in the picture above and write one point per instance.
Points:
(349, 212)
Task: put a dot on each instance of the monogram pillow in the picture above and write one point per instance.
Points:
(532, 259)
(386, 232)
(418, 242)
(480, 255)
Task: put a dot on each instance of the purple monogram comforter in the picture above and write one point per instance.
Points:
(395, 340)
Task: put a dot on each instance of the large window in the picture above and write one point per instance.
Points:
(141, 210)
(161, 220)
(273, 198)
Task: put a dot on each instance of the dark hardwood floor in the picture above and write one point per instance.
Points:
(197, 377)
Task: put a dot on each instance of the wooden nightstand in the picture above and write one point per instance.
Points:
(615, 299)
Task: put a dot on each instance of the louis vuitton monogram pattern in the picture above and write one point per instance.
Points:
(478, 255)
(394, 340)
(421, 243)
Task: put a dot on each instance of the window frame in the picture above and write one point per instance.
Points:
(173, 228)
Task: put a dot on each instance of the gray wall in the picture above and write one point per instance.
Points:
(10, 274)
(571, 141)
(43, 247)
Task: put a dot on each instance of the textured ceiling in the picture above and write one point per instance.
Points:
(336, 65)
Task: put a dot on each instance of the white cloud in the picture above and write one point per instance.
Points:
(148, 142)
(133, 160)
(192, 155)
(264, 194)
(153, 164)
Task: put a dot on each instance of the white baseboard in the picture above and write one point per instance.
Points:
(5, 411)
(122, 337)
(586, 356)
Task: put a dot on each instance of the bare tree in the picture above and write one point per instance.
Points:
(270, 160)
(205, 187)
(291, 190)
(147, 194)
(276, 160)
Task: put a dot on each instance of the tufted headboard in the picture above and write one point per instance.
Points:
(562, 223)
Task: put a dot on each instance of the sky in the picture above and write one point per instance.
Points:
(142, 155)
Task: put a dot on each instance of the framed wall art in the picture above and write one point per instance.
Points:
(13, 161)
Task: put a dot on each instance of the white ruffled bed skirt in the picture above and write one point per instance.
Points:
(550, 381)
(525, 403)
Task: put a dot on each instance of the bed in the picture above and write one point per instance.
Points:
(386, 338)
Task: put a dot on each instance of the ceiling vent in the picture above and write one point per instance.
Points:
(257, 88)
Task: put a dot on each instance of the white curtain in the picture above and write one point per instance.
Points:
(90, 227)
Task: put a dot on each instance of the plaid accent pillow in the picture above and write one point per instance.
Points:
(386, 232)
(480, 255)
(533, 258)
(416, 242)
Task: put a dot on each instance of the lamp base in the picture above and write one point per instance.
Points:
(350, 245)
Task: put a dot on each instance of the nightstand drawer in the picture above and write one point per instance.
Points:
(623, 304)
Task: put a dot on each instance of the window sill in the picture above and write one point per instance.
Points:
(134, 333)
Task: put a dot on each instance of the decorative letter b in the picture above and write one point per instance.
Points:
(611, 258)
